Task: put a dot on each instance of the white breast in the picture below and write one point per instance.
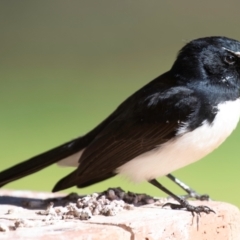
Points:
(186, 148)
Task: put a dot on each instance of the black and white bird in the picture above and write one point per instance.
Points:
(175, 120)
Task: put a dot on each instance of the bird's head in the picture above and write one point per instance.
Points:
(213, 59)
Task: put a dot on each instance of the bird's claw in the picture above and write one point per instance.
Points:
(193, 209)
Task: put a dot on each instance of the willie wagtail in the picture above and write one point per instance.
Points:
(176, 119)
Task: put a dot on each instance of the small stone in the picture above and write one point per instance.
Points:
(103, 197)
(121, 203)
(11, 211)
(95, 195)
(23, 223)
(72, 196)
(80, 204)
(85, 214)
(129, 206)
(161, 201)
(60, 210)
(4, 227)
(95, 212)
(111, 194)
(49, 211)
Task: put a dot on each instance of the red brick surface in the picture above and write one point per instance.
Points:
(146, 223)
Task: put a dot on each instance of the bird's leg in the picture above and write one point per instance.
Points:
(190, 192)
(183, 203)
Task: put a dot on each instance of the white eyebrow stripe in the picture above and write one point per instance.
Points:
(235, 53)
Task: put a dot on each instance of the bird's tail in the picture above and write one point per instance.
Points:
(54, 155)
(41, 161)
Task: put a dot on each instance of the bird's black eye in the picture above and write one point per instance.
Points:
(230, 59)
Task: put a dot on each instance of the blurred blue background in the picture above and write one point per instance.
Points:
(66, 65)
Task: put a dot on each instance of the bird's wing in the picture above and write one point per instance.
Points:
(150, 122)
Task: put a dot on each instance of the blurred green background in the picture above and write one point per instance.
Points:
(66, 65)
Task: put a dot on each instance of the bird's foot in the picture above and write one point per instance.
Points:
(184, 204)
(195, 196)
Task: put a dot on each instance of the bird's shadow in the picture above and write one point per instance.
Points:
(136, 199)
(38, 203)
